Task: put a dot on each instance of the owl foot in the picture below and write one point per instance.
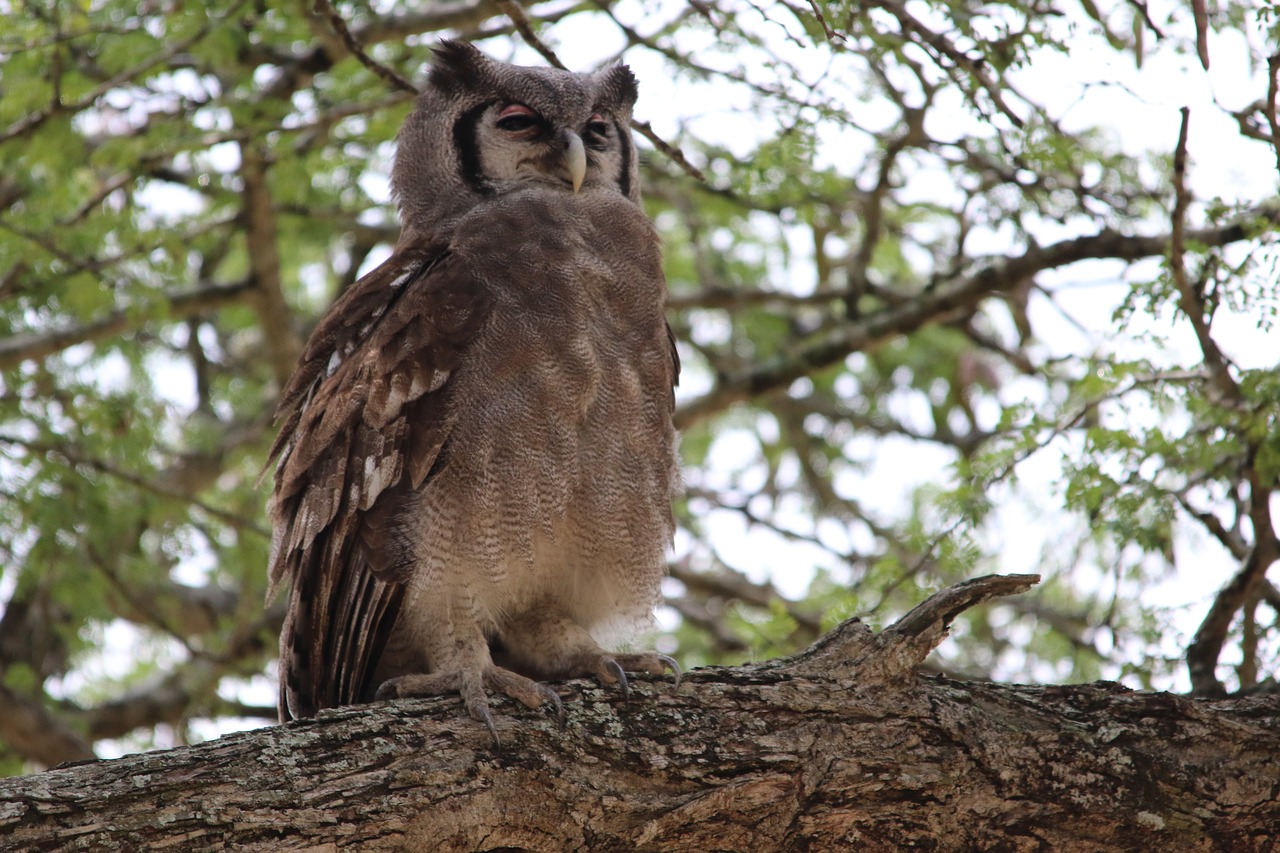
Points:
(474, 691)
(613, 669)
(551, 645)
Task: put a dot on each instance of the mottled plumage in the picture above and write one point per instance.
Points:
(476, 460)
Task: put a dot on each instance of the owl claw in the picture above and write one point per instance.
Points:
(671, 664)
(614, 669)
(475, 692)
(554, 698)
(478, 708)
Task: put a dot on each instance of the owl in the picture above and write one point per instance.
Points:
(476, 460)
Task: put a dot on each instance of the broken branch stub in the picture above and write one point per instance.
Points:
(851, 651)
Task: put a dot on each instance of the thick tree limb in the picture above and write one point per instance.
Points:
(835, 749)
(1206, 647)
(177, 696)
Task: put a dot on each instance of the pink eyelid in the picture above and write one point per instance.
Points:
(517, 110)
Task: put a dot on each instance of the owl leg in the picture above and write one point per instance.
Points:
(465, 668)
(556, 647)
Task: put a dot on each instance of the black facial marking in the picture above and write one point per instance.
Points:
(464, 142)
(624, 167)
(596, 135)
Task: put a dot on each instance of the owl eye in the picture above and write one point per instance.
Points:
(596, 133)
(519, 119)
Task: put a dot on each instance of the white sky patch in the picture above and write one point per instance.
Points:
(374, 259)
(377, 186)
(169, 202)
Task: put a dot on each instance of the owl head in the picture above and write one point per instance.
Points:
(482, 128)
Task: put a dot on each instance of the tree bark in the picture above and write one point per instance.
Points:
(841, 747)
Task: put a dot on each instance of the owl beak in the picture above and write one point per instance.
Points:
(575, 158)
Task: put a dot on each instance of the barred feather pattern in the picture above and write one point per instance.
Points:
(555, 494)
(378, 362)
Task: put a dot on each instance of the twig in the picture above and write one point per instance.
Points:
(1146, 17)
(1181, 198)
(831, 34)
(1201, 15)
(884, 659)
(522, 24)
(674, 154)
(941, 608)
(1190, 297)
(33, 120)
(1273, 85)
(388, 75)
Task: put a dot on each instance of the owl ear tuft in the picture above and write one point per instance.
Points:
(458, 65)
(618, 85)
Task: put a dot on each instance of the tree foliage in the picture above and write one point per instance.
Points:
(932, 306)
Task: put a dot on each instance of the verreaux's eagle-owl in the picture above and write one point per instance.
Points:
(477, 458)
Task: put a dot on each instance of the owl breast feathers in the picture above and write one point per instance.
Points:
(477, 460)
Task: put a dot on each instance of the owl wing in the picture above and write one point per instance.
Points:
(365, 417)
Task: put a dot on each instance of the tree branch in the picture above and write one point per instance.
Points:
(282, 340)
(36, 346)
(1206, 646)
(34, 119)
(1269, 106)
(772, 756)
(352, 44)
(943, 303)
(1190, 296)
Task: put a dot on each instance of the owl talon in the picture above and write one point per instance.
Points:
(612, 668)
(554, 698)
(671, 664)
(475, 692)
(478, 708)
